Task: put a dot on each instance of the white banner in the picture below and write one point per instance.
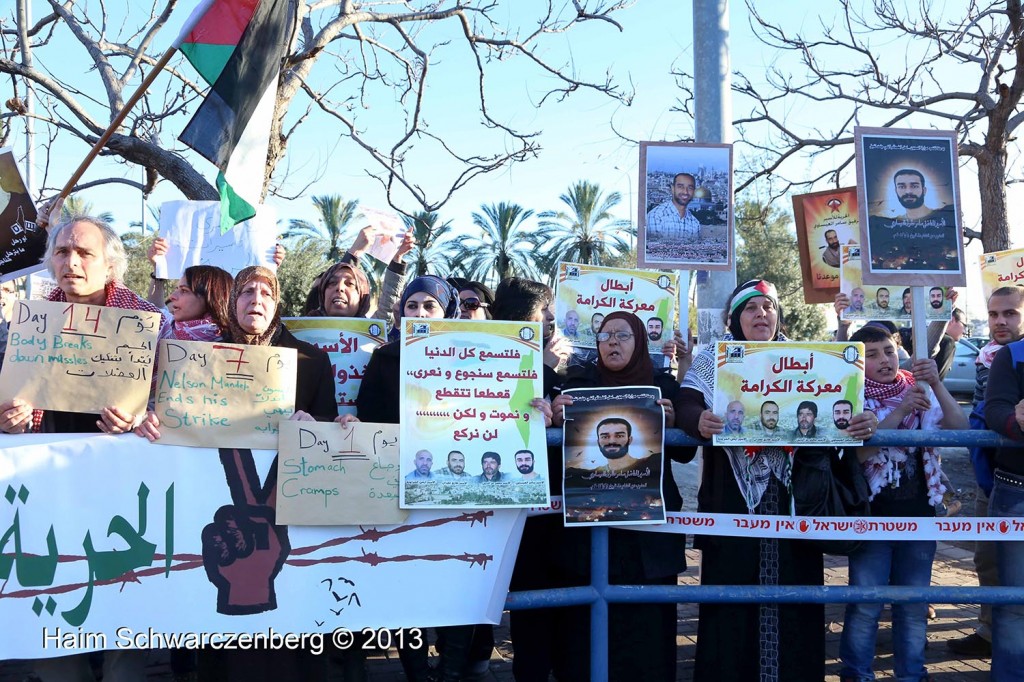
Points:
(105, 537)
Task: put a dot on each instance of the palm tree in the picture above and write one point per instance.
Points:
(75, 206)
(503, 248)
(335, 216)
(586, 233)
(434, 249)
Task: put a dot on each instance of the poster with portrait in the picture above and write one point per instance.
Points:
(685, 220)
(1001, 269)
(349, 342)
(824, 221)
(22, 242)
(613, 454)
(469, 436)
(881, 302)
(783, 393)
(585, 294)
(909, 202)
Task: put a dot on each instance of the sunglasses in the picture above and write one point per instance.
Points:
(603, 337)
(471, 304)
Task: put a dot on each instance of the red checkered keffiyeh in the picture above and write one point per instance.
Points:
(117, 296)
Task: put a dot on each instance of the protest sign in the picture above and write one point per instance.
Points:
(388, 229)
(909, 203)
(349, 342)
(210, 393)
(22, 242)
(1001, 269)
(187, 543)
(584, 294)
(772, 392)
(40, 285)
(685, 220)
(75, 357)
(469, 435)
(328, 475)
(192, 229)
(613, 454)
(824, 221)
(881, 302)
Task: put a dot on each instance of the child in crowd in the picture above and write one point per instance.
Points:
(904, 482)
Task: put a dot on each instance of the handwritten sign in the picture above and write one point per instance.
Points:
(74, 357)
(208, 394)
(22, 242)
(777, 393)
(613, 454)
(330, 476)
(824, 221)
(1001, 269)
(886, 302)
(584, 294)
(469, 435)
(187, 545)
(192, 229)
(389, 228)
(349, 342)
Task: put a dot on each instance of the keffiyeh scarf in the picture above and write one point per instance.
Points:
(753, 468)
(885, 468)
(203, 329)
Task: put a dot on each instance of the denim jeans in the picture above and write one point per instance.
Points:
(885, 562)
(1008, 619)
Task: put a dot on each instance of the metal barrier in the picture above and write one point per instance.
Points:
(600, 593)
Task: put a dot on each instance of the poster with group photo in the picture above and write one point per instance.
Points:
(22, 242)
(685, 220)
(613, 454)
(469, 436)
(824, 221)
(909, 202)
(349, 342)
(585, 294)
(884, 302)
(1001, 269)
(782, 393)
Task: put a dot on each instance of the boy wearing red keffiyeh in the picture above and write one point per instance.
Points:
(903, 482)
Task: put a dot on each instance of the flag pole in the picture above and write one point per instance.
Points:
(116, 123)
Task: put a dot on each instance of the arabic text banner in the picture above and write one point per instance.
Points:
(22, 242)
(470, 437)
(349, 342)
(79, 358)
(884, 302)
(186, 542)
(211, 393)
(1001, 269)
(778, 393)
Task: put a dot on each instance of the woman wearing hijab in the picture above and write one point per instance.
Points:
(198, 305)
(741, 642)
(643, 636)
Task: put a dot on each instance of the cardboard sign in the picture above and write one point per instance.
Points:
(467, 425)
(880, 302)
(74, 357)
(613, 456)
(331, 476)
(193, 230)
(349, 342)
(211, 393)
(781, 393)
(824, 221)
(22, 242)
(1001, 269)
(118, 543)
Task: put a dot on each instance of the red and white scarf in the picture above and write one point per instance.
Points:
(884, 469)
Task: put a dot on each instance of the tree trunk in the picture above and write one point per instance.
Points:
(168, 164)
(995, 229)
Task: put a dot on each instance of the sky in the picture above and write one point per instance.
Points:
(581, 137)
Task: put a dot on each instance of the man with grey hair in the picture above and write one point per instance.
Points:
(87, 259)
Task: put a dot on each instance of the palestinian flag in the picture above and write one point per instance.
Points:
(237, 46)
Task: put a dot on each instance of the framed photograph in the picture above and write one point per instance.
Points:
(685, 219)
(908, 193)
(824, 221)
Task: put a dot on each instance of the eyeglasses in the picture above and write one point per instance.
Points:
(471, 304)
(604, 337)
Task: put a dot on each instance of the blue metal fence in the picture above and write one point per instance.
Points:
(599, 593)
